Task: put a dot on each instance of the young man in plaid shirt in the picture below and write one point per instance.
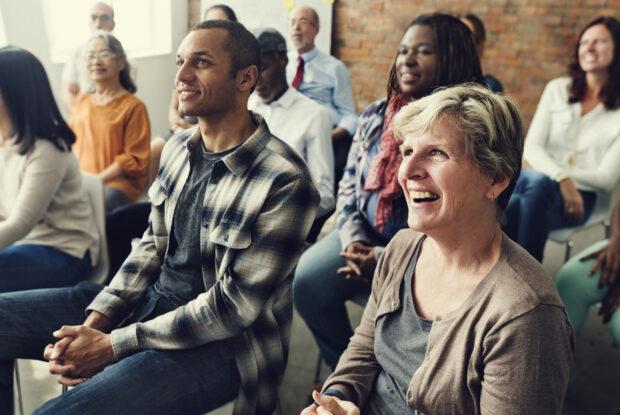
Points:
(200, 312)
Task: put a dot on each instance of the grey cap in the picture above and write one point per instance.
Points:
(270, 40)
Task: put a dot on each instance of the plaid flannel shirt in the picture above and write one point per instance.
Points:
(262, 203)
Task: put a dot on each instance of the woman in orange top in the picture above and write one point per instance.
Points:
(112, 125)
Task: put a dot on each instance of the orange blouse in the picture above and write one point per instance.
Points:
(118, 132)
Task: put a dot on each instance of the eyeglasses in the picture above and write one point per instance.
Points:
(104, 18)
(103, 56)
(301, 22)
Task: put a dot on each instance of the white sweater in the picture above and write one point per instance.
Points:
(43, 201)
(562, 142)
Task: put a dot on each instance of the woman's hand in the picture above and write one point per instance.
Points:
(361, 262)
(573, 202)
(330, 405)
(608, 260)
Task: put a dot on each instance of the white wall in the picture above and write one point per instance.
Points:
(24, 27)
(274, 14)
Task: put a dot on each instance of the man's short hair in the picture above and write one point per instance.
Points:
(271, 42)
(241, 44)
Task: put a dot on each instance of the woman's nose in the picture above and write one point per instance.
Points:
(411, 168)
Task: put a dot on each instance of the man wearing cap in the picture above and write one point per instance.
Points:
(322, 78)
(299, 121)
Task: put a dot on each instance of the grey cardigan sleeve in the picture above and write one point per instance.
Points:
(521, 379)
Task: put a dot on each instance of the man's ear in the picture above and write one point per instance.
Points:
(247, 78)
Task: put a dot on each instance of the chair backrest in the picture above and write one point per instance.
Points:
(94, 188)
(598, 216)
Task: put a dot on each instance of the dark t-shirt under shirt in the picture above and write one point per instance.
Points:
(181, 278)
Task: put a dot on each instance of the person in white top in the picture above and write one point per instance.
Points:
(74, 76)
(48, 237)
(572, 149)
(323, 78)
(302, 123)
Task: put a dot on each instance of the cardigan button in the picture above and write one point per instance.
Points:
(395, 304)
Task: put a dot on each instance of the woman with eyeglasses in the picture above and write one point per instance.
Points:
(47, 235)
(112, 125)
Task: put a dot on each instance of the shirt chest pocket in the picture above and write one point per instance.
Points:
(158, 196)
(318, 78)
(228, 241)
(560, 123)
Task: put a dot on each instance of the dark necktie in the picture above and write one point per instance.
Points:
(299, 74)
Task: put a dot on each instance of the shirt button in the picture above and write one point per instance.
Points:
(395, 304)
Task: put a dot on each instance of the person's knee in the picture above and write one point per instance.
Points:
(304, 287)
(537, 183)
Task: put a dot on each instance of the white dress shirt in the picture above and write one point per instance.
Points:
(563, 143)
(306, 127)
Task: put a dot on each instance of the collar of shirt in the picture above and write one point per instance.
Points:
(308, 56)
(241, 159)
(287, 99)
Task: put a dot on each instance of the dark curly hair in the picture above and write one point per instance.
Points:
(457, 60)
(611, 89)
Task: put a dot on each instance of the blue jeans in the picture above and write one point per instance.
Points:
(319, 295)
(150, 382)
(114, 198)
(28, 267)
(535, 208)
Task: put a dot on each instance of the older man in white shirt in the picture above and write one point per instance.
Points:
(302, 123)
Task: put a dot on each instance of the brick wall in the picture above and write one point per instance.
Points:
(529, 42)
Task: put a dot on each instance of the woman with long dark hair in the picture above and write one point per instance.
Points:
(111, 125)
(572, 148)
(436, 50)
(47, 234)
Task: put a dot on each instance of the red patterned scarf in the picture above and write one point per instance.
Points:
(383, 174)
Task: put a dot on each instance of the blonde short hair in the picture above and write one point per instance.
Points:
(490, 124)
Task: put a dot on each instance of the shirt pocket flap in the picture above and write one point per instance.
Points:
(157, 194)
(231, 238)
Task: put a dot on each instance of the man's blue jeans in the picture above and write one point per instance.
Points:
(29, 266)
(535, 208)
(319, 296)
(151, 382)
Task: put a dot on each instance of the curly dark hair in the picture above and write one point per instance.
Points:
(611, 89)
(457, 60)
